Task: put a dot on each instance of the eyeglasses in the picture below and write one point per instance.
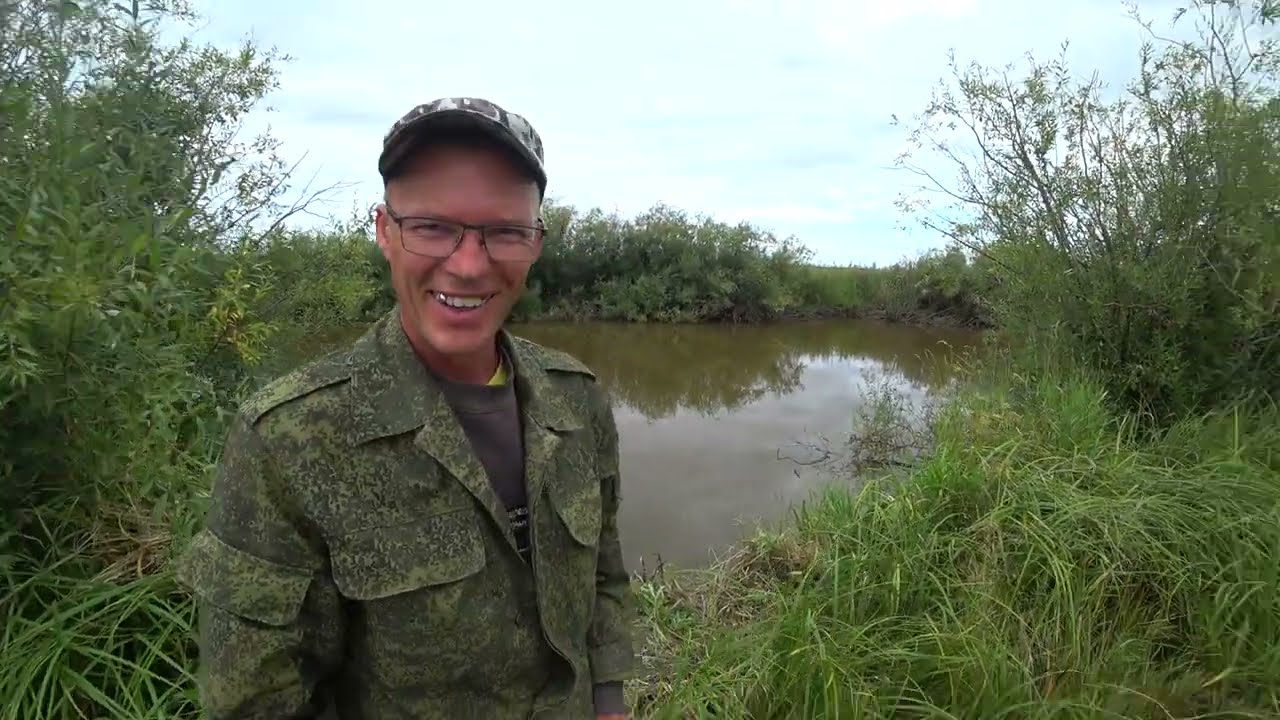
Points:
(438, 238)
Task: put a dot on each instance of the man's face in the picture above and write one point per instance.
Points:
(461, 184)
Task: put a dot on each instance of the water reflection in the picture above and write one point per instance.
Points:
(704, 412)
(659, 369)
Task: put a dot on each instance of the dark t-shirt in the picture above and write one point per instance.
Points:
(491, 419)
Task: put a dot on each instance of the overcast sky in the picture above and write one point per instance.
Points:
(770, 111)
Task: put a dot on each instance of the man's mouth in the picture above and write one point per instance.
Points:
(461, 302)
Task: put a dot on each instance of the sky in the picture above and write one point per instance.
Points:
(773, 112)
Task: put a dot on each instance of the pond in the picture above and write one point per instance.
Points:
(709, 415)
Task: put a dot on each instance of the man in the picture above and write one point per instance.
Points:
(424, 525)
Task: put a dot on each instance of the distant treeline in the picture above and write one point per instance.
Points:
(660, 266)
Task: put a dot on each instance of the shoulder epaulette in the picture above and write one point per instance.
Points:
(328, 370)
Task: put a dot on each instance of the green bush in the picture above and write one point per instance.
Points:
(939, 286)
(325, 278)
(1139, 234)
(129, 279)
(661, 265)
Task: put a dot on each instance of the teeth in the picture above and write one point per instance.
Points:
(461, 302)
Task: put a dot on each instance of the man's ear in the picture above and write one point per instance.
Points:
(382, 229)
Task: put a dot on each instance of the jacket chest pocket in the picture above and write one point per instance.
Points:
(578, 507)
(423, 605)
(574, 493)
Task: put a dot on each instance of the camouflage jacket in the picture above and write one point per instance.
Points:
(357, 564)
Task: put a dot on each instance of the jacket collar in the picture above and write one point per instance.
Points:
(393, 393)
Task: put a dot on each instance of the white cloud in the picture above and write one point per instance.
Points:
(773, 111)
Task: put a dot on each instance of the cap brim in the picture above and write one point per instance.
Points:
(422, 129)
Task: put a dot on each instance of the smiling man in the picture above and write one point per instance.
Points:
(424, 525)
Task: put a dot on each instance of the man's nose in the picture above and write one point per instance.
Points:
(470, 258)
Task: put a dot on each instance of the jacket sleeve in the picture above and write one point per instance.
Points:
(270, 626)
(610, 642)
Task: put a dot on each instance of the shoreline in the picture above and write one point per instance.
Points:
(915, 319)
(1012, 567)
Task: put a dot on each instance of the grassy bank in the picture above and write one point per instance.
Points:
(1043, 562)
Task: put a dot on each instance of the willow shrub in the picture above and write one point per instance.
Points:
(129, 276)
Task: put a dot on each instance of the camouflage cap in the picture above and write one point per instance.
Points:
(455, 113)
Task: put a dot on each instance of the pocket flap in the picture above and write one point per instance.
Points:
(380, 562)
(241, 583)
(579, 507)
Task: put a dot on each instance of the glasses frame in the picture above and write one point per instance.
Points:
(539, 231)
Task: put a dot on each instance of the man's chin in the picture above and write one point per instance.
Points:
(454, 335)
(459, 342)
(464, 347)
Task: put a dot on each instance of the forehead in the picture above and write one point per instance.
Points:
(465, 144)
(465, 182)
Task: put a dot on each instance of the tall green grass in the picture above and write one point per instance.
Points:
(80, 649)
(1043, 563)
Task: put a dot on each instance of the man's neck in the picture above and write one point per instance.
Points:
(475, 369)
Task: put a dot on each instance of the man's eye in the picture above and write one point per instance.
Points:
(430, 227)
(509, 233)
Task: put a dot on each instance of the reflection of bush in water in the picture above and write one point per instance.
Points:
(658, 369)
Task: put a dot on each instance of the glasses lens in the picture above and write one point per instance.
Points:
(430, 237)
(511, 243)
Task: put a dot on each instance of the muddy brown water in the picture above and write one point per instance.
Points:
(714, 420)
